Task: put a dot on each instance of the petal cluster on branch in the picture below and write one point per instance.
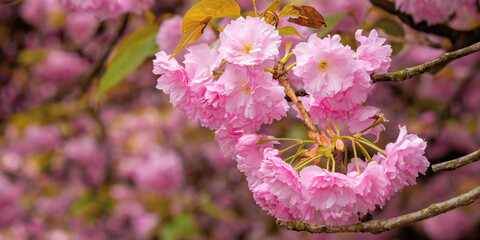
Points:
(227, 87)
(318, 196)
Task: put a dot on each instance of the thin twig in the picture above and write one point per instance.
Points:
(456, 163)
(426, 67)
(378, 226)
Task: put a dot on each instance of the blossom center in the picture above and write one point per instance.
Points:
(245, 89)
(324, 66)
(247, 48)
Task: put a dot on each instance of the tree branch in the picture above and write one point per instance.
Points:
(280, 75)
(456, 163)
(426, 67)
(378, 226)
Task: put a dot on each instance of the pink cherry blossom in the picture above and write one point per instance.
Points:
(281, 177)
(250, 156)
(405, 159)
(250, 97)
(321, 111)
(362, 117)
(330, 193)
(433, 11)
(325, 65)
(227, 139)
(262, 193)
(60, 67)
(84, 150)
(205, 103)
(160, 171)
(40, 138)
(36, 11)
(81, 26)
(249, 41)
(372, 53)
(372, 186)
(173, 79)
(200, 64)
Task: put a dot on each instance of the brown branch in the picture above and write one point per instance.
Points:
(378, 226)
(456, 163)
(426, 67)
(280, 75)
(298, 93)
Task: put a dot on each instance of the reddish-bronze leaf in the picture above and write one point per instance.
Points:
(307, 16)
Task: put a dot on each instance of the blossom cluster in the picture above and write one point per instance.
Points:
(337, 78)
(228, 87)
(318, 196)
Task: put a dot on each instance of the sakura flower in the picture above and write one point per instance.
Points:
(84, 150)
(321, 111)
(60, 67)
(227, 139)
(200, 64)
(160, 171)
(81, 26)
(173, 79)
(330, 193)
(325, 65)
(250, 156)
(262, 193)
(433, 11)
(251, 97)
(40, 138)
(405, 159)
(88, 153)
(205, 102)
(362, 118)
(352, 97)
(372, 186)
(372, 53)
(249, 41)
(281, 176)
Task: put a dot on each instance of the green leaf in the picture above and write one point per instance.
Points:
(131, 52)
(289, 30)
(392, 28)
(182, 227)
(197, 18)
(332, 21)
